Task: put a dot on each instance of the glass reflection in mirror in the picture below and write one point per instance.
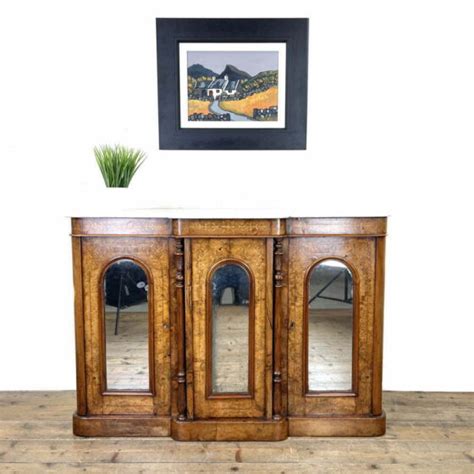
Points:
(330, 327)
(126, 326)
(230, 285)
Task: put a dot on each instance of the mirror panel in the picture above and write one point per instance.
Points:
(330, 327)
(126, 326)
(230, 285)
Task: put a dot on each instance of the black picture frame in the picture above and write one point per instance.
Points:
(172, 31)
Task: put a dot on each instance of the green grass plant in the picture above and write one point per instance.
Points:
(118, 164)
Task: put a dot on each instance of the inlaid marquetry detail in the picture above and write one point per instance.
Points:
(144, 227)
(230, 228)
(375, 226)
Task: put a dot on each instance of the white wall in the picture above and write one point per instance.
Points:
(391, 121)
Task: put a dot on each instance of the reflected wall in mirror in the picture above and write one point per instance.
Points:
(330, 327)
(230, 334)
(126, 326)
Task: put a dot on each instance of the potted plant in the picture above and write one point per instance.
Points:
(118, 164)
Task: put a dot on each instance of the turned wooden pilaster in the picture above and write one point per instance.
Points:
(180, 325)
(279, 282)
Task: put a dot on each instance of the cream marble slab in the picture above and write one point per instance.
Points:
(129, 203)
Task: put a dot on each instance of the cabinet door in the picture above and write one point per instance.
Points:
(126, 292)
(231, 334)
(331, 294)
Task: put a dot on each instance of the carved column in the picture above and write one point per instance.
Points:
(180, 325)
(279, 282)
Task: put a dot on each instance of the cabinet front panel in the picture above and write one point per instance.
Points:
(229, 305)
(331, 293)
(126, 293)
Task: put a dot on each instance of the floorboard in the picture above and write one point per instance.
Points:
(426, 432)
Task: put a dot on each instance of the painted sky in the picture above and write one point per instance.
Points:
(252, 62)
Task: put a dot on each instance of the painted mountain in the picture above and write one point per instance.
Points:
(198, 70)
(233, 73)
(232, 95)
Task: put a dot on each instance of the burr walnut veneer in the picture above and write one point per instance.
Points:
(241, 329)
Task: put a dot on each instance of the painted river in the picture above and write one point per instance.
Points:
(215, 109)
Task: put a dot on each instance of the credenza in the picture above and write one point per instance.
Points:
(229, 329)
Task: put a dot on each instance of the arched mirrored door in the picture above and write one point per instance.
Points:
(330, 327)
(331, 295)
(126, 326)
(229, 327)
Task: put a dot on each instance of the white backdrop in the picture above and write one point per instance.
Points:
(391, 122)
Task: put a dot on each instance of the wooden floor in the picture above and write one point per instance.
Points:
(427, 432)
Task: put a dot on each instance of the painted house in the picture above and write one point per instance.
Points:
(222, 86)
(201, 89)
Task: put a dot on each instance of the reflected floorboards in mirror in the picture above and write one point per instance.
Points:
(330, 349)
(127, 352)
(230, 349)
(330, 346)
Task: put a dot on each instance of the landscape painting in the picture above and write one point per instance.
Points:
(228, 85)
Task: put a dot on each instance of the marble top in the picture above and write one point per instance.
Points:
(217, 213)
(121, 203)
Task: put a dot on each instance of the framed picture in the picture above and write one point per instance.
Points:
(227, 84)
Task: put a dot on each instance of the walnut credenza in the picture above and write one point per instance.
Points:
(229, 329)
